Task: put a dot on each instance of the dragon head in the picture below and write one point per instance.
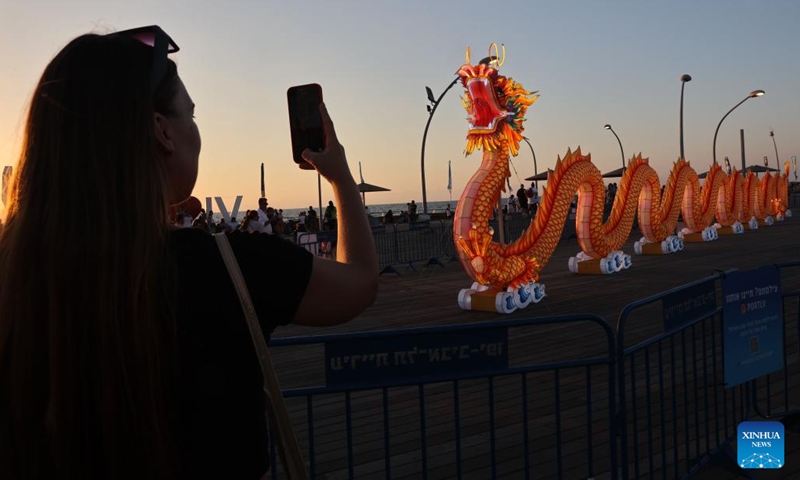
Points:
(495, 105)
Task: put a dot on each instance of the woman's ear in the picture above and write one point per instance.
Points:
(163, 132)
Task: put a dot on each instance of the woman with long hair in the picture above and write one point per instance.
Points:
(109, 366)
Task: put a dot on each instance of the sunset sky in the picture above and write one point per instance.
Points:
(616, 62)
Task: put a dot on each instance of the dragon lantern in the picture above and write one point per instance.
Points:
(506, 275)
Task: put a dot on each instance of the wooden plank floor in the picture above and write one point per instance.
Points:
(427, 297)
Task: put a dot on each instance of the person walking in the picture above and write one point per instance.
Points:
(522, 199)
(330, 216)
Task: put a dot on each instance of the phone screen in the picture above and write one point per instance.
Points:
(305, 120)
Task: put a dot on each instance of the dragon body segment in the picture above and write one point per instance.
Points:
(658, 216)
(730, 197)
(505, 276)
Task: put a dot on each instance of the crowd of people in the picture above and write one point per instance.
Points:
(408, 215)
(265, 219)
(526, 200)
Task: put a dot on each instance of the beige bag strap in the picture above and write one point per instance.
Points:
(288, 448)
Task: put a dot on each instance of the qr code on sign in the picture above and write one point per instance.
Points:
(753, 344)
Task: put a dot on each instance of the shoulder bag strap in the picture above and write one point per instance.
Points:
(288, 448)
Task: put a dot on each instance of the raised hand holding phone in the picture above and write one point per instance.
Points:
(356, 265)
(331, 162)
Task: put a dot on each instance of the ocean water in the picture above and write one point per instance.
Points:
(376, 210)
(381, 208)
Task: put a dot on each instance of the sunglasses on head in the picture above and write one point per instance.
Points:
(162, 44)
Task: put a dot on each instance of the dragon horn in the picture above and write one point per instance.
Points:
(468, 56)
(499, 61)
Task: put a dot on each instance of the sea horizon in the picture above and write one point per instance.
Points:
(376, 210)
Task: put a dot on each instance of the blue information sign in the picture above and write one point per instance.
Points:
(688, 304)
(752, 324)
(378, 361)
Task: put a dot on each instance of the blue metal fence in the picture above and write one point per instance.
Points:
(485, 412)
(772, 395)
(675, 413)
(394, 404)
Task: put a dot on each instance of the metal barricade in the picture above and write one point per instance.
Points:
(474, 400)
(675, 414)
(429, 242)
(514, 225)
(416, 244)
(772, 395)
(386, 247)
(446, 247)
(322, 244)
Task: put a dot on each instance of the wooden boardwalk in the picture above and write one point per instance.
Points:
(427, 297)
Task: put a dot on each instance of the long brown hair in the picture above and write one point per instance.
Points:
(87, 330)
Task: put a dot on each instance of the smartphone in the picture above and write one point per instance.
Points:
(305, 121)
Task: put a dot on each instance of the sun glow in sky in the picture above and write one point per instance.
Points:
(616, 62)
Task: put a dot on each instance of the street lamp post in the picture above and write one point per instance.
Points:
(684, 78)
(608, 127)
(535, 168)
(434, 104)
(754, 93)
(777, 158)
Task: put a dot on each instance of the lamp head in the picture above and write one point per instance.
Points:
(431, 98)
(757, 93)
(771, 133)
(686, 78)
(487, 60)
(607, 126)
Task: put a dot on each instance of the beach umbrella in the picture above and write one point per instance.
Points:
(615, 173)
(761, 169)
(365, 187)
(368, 187)
(538, 177)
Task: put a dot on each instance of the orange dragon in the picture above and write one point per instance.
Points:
(506, 276)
